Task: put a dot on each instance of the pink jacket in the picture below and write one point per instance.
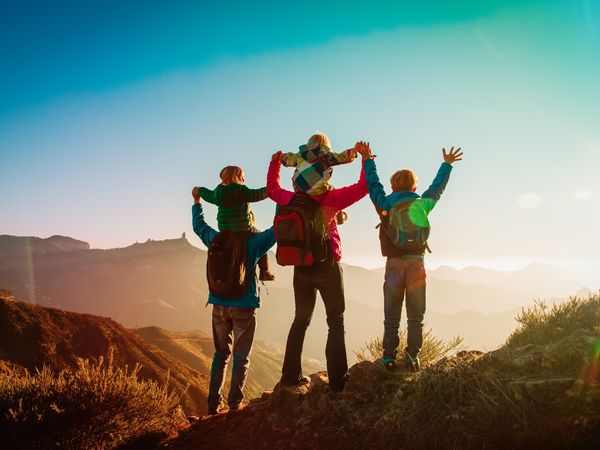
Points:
(331, 202)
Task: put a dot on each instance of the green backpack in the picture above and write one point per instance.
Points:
(407, 226)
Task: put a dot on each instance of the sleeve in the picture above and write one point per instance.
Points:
(376, 191)
(201, 228)
(289, 159)
(345, 157)
(342, 198)
(247, 195)
(208, 195)
(264, 241)
(435, 190)
(274, 189)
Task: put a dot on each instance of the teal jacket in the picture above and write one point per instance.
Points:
(382, 201)
(258, 245)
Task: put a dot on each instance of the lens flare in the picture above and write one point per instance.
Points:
(29, 270)
(591, 366)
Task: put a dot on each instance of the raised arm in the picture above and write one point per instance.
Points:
(342, 198)
(435, 190)
(289, 159)
(208, 195)
(274, 189)
(201, 228)
(345, 157)
(243, 194)
(376, 190)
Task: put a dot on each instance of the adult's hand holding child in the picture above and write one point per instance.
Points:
(364, 149)
(195, 194)
(277, 156)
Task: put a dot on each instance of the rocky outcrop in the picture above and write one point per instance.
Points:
(537, 396)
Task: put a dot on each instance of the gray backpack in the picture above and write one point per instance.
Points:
(407, 226)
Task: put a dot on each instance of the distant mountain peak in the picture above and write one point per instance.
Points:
(55, 243)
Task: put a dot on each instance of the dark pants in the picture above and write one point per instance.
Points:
(228, 322)
(329, 283)
(403, 277)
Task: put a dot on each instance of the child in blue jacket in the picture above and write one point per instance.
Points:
(404, 270)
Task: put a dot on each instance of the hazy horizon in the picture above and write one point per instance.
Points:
(102, 135)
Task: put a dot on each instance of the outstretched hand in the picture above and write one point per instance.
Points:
(452, 155)
(277, 156)
(364, 149)
(196, 195)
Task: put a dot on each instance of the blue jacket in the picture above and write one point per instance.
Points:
(382, 201)
(258, 245)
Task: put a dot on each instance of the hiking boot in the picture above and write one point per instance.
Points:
(339, 386)
(236, 407)
(214, 410)
(388, 363)
(412, 363)
(265, 275)
(299, 382)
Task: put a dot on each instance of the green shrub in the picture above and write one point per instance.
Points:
(93, 406)
(541, 324)
(433, 348)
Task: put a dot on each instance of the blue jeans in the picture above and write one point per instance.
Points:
(403, 277)
(227, 323)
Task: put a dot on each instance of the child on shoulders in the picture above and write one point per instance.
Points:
(232, 197)
(314, 162)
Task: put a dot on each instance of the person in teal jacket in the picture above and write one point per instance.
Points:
(231, 318)
(404, 270)
(232, 197)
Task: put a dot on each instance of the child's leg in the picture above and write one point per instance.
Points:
(393, 297)
(263, 263)
(415, 306)
(263, 266)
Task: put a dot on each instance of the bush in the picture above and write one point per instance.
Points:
(433, 348)
(541, 324)
(93, 406)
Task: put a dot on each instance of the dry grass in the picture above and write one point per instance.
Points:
(468, 402)
(542, 324)
(433, 350)
(93, 406)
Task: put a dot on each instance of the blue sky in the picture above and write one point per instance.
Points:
(112, 111)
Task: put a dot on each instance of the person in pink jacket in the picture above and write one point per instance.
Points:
(325, 277)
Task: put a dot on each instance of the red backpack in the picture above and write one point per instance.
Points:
(300, 233)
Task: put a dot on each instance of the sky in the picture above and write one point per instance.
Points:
(110, 112)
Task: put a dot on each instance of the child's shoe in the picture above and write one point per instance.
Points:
(388, 363)
(265, 275)
(412, 363)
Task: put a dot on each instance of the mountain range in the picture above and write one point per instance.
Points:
(163, 284)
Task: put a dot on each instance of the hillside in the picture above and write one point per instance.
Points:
(541, 390)
(32, 336)
(195, 349)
